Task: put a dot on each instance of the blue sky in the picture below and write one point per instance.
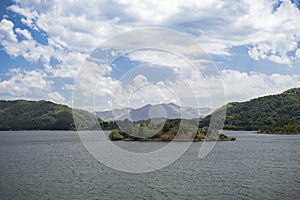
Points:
(44, 44)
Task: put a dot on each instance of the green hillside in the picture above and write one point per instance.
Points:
(270, 114)
(291, 126)
(40, 115)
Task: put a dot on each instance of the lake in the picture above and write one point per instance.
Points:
(55, 165)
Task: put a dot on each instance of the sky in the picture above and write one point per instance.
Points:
(254, 46)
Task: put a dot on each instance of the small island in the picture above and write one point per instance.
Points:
(141, 132)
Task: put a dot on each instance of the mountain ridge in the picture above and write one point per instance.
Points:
(148, 111)
(278, 113)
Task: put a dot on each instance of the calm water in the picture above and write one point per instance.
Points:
(55, 165)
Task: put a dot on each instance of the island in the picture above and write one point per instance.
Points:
(171, 131)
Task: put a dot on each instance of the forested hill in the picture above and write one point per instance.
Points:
(39, 115)
(270, 114)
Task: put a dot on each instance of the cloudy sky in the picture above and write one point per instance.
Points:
(255, 46)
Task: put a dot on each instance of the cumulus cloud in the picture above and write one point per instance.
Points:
(6, 30)
(198, 91)
(140, 81)
(73, 29)
(56, 97)
(217, 25)
(297, 53)
(24, 83)
(139, 92)
(68, 62)
(79, 25)
(24, 32)
(157, 57)
(241, 86)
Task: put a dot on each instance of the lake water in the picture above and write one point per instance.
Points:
(55, 165)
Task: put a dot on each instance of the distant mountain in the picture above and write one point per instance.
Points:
(169, 111)
(270, 114)
(41, 115)
(118, 113)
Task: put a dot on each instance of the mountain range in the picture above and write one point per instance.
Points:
(278, 113)
(168, 111)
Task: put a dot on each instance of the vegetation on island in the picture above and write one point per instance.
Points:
(172, 130)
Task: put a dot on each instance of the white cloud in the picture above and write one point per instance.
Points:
(67, 87)
(215, 25)
(157, 57)
(297, 53)
(238, 86)
(152, 12)
(68, 61)
(56, 97)
(242, 86)
(24, 32)
(74, 28)
(140, 81)
(24, 83)
(105, 86)
(28, 22)
(140, 92)
(28, 48)
(91, 76)
(80, 26)
(6, 30)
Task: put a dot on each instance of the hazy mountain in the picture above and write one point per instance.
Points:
(118, 113)
(170, 111)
